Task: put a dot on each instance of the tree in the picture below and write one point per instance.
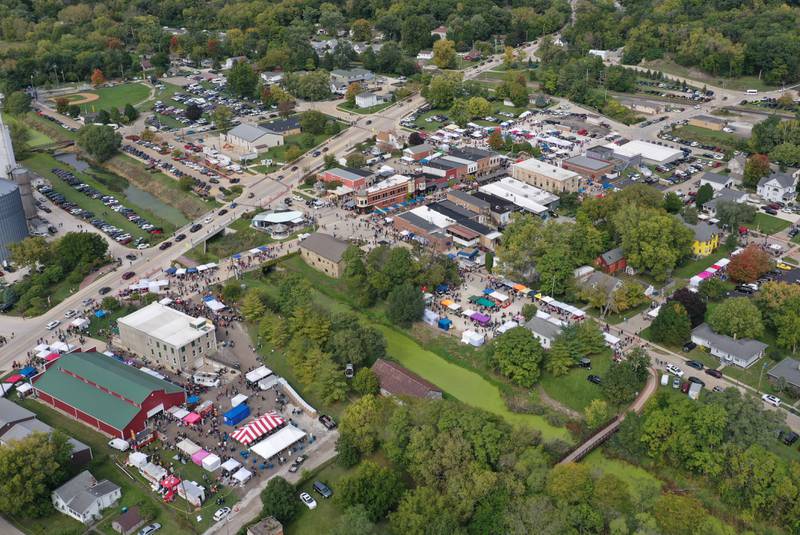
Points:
(61, 105)
(495, 140)
(29, 252)
(354, 521)
(629, 295)
(749, 265)
(186, 183)
(678, 515)
(366, 382)
(361, 422)
(786, 154)
(356, 159)
(624, 379)
(712, 289)
(672, 203)
(755, 168)
(694, 305)
(458, 112)
(478, 107)
(734, 214)
(444, 54)
(529, 311)
(508, 56)
(31, 468)
(315, 85)
(737, 317)
(672, 325)
(690, 215)
(100, 141)
(414, 139)
(98, 78)
(330, 18)
(353, 90)
(242, 80)
(193, 112)
(362, 30)
(279, 500)
(704, 194)
(561, 357)
(443, 90)
(222, 117)
(570, 483)
(518, 356)
(405, 305)
(376, 488)
(312, 122)
(253, 306)
(17, 103)
(596, 413)
(330, 382)
(232, 291)
(131, 114)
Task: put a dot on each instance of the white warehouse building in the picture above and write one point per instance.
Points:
(169, 337)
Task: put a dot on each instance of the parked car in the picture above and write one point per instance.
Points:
(788, 437)
(694, 364)
(327, 421)
(221, 513)
(772, 400)
(104, 290)
(164, 246)
(307, 500)
(323, 489)
(688, 346)
(128, 275)
(714, 373)
(149, 530)
(131, 256)
(594, 379)
(674, 370)
(676, 383)
(693, 379)
(69, 314)
(349, 371)
(52, 324)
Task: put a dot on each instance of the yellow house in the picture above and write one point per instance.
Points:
(706, 239)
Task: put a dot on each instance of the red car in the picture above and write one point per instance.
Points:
(128, 275)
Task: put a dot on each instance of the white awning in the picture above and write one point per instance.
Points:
(238, 399)
(188, 447)
(230, 465)
(274, 444)
(242, 475)
(259, 373)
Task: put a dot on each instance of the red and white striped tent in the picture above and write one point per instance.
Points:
(257, 428)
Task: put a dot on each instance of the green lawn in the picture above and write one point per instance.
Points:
(365, 111)
(769, 224)
(693, 267)
(723, 140)
(572, 389)
(107, 183)
(174, 518)
(641, 483)
(742, 83)
(244, 239)
(99, 327)
(164, 95)
(278, 154)
(117, 96)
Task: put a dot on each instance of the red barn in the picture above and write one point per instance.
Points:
(105, 394)
(612, 261)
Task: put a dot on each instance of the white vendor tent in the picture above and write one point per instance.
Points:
(695, 281)
(188, 447)
(166, 301)
(80, 323)
(267, 383)
(468, 313)
(430, 317)
(653, 312)
(256, 375)
(238, 399)
(507, 326)
(499, 296)
(23, 389)
(278, 442)
(137, 459)
(6, 387)
(211, 462)
(214, 305)
(611, 340)
(472, 338)
(180, 414)
(230, 465)
(242, 475)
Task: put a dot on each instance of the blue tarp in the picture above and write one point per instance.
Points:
(607, 185)
(209, 298)
(236, 414)
(29, 371)
(100, 314)
(191, 270)
(445, 324)
(237, 256)
(171, 270)
(263, 248)
(488, 291)
(192, 399)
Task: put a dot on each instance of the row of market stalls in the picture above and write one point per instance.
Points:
(550, 305)
(261, 249)
(711, 271)
(180, 272)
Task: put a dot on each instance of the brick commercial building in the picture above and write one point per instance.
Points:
(546, 176)
(589, 167)
(169, 337)
(350, 177)
(427, 226)
(105, 394)
(324, 253)
(392, 190)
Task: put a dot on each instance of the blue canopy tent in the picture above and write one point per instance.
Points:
(28, 371)
(237, 256)
(445, 324)
(263, 248)
(100, 314)
(170, 270)
(442, 288)
(191, 270)
(191, 400)
(607, 185)
(488, 291)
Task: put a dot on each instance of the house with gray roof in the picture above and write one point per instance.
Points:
(778, 187)
(612, 260)
(742, 352)
(789, 370)
(84, 498)
(703, 232)
(249, 138)
(544, 330)
(725, 194)
(341, 79)
(716, 180)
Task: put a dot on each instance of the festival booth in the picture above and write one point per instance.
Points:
(152, 472)
(231, 465)
(611, 341)
(211, 462)
(467, 313)
(242, 476)
(273, 445)
(552, 305)
(258, 374)
(80, 323)
(257, 428)
(472, 338)
(28, 371)
(481, 319)
(653, 312)
(452, 305)
(198, 457)
(445, 324)
(24, 390)
(13, 379)
(180, 414)
(205, 408)
(238, 399)
(191, 419)
(507, 326)
(137, 459)
(188, 447)
(212, 303)
(268, 382)
(192, 492)
(430, 317)
(236, 414)
(63, 347)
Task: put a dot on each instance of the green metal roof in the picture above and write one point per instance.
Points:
(107, 372)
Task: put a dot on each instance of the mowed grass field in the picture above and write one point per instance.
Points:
(117, 96)
(769, 224)
(573, 389)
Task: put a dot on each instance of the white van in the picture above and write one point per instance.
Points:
(119, 444)
(752, 91)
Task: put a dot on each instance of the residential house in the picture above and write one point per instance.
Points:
(368, 99)
(544, 328)
(395, 380)
(324, 253)
(742, 352)
(787, 370)
(708, 122)
(440, 32)
(341, 79)
(424, 57)
(778, 187)
(271, 77)
(597, 280)
(612, 261)
(725, 194)
(84, 498)
(706, 238)
(388, 141)
(716, 181)
(127, 522)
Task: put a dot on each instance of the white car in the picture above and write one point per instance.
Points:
(307, 500)
(207, 220)
(53, 324)
(70, 313)
(142, 246)
(674, 370)
(772, 400)
(221, 513)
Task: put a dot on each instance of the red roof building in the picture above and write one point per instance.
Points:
(398, 381)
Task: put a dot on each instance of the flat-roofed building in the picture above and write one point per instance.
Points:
(169, 337)
(427, 226)
(387, 192)
(707, 121)
(350, 177)
(250, 138)
(589, 167)
(483, 161)
(529, 198)
(472, 203)
(650, 153)
(324, 253)
(500, 209)
(546, 176)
